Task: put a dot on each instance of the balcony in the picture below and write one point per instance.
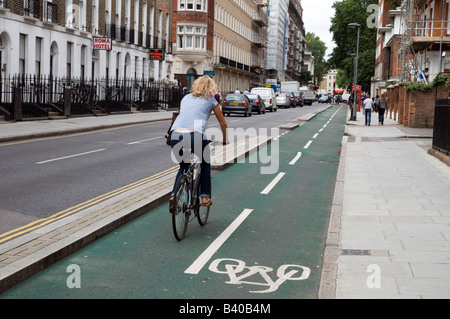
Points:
(260, 18)
(427, 31)
(258, 40)
(52, 13)
(32, 9)
(228, 64)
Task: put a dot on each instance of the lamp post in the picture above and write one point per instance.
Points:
(357, 26)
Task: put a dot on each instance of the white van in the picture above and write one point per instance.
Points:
(269, 97)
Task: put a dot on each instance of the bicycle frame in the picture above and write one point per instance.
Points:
(192, 175)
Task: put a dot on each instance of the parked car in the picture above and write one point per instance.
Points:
(298, 99)
(237, 104)
(284, 100)
(293, 98)
(268, 94)
(323, 99)
(257, 103)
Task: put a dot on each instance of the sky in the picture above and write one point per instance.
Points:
(317, 16)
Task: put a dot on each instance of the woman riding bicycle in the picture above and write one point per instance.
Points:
(189, 129)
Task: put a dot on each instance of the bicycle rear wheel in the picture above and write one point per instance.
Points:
(180, 211)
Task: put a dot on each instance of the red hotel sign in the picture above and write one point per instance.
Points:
(156, 54)
(102, 44)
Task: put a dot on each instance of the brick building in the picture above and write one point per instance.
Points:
(56, 37)
(226, 38)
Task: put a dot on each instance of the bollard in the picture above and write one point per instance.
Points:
(67, 101)
(17, 114)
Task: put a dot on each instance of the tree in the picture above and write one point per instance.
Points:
(318, 49)
(346, 12)
(305, 77)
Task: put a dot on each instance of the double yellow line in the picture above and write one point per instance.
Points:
(69, 211)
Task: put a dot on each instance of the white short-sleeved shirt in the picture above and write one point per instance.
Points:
(368, 103)
(194, 113)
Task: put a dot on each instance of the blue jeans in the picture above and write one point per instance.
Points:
(368, 113)
(197, 144)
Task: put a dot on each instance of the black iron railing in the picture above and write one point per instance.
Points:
(34, 97)
(441, 129)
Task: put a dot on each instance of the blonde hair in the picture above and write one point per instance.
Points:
(204, 87)
(383, 97)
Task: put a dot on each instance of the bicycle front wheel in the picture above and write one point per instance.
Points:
(180, 210)
(202, 212)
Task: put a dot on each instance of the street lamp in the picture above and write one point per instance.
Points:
(357, 26)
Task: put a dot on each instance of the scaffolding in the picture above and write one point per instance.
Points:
(407, 65)
(416, 33)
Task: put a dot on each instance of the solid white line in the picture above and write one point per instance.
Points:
(295, 159)
(307, 144)
(149, 139)
(70, 156)
(198, 264)
(272, 183)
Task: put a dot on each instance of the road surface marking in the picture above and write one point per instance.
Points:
(308, 144)
(295, 159)
(198, 264)
(149, 139)
(315, 135)
(272, 183)
(69, 211)
(70, 156)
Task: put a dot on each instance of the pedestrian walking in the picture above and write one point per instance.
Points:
(382, 109)
(368, 105)
(376, 103)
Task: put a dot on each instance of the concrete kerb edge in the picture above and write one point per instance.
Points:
(332, 250)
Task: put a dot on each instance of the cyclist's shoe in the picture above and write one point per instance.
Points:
(170, 204)
(208, 203)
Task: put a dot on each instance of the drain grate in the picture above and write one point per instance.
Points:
(356, 252)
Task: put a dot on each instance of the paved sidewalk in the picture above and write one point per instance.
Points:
(389, 234)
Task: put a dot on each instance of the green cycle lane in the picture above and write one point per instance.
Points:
(275, 250)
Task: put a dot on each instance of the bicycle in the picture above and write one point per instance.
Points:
(186, 199)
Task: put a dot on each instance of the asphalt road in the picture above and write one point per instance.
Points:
(264, 239)
(47, 176)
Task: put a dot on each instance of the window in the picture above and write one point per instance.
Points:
(193, 5)
(22, 52)
(38, 56)
(191, 37)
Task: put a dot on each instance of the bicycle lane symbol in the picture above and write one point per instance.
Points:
(234, 267)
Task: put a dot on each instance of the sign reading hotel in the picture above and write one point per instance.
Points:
(156, 54)
(102, 44)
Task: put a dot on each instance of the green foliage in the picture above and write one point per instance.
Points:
(396, 3)
(318, 49)
(305, 77)
(346, 12)
(423, 87)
